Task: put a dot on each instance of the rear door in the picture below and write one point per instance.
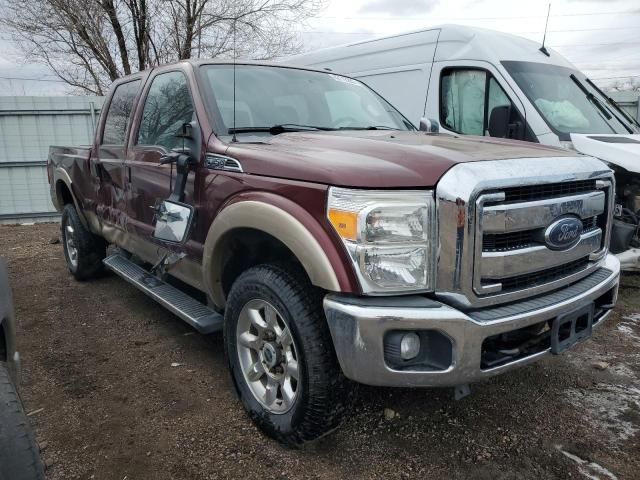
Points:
(107, 159)
(167, 104)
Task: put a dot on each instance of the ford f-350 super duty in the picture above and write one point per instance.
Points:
(298, 212)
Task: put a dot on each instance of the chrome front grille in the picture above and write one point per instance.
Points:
(500, 242)
(511, 253)
(493, 217)
(528, 193)
(541, 277)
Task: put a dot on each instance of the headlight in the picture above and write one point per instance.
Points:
(390, 236)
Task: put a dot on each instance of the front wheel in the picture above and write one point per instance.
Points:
(281, 355)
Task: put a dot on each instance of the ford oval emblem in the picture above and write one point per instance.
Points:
(563, 233)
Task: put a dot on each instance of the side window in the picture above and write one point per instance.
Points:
(467, 98)
(119, 114)
(497, 96)
(462, 96)
(168, 105)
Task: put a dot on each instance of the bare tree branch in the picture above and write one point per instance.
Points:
(90, 43)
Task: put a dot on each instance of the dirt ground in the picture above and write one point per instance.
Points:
(107, 403)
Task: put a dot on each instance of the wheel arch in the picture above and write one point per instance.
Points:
(274, 219)
(64, 194)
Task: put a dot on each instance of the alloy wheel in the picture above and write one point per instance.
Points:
(268, 356)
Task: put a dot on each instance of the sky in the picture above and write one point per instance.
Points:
(600, 37)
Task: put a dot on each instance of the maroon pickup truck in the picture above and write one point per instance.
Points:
(298, 212)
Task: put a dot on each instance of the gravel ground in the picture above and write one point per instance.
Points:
(107, 403)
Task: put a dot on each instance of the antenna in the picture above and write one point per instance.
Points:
(234, 139)
(543, 49)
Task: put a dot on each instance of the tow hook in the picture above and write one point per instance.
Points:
(461, 391)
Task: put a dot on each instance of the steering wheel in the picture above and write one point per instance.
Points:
(348, 120)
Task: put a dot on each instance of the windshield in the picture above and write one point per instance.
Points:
(296, 99)
(568, 105)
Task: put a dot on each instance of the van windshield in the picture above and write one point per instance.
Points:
(293, 99)
(566, 101)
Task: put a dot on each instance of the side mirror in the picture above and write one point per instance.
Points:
(429, 125)
(173, 222)
(499, 121)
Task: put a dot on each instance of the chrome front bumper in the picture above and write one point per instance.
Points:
(358, 326)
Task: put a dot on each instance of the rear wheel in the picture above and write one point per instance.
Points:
(83, 250)
(281, 355)
(19, 452)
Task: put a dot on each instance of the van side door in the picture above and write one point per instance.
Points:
(468, 98)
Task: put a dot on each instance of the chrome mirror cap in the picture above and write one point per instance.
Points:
(173, 222)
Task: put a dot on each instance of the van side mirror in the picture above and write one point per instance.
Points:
(499, 121)
(429, 125)
(173, 222)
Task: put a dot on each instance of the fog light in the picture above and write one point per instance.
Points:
(409, 346)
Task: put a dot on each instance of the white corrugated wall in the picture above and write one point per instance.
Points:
(28, 126)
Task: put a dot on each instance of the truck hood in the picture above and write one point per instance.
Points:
(620, 150)
(374, 158)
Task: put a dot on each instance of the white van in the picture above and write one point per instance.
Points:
(481, 82)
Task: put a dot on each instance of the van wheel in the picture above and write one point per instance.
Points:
(281, 355)
(83, 250)
(19, 452)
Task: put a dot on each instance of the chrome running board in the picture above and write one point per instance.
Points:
(204, 319)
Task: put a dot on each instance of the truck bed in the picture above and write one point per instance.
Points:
(65, 161)
(65, 157)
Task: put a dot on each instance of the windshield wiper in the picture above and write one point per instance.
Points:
(591, 97)
(280, 128)
(371, 127)
(613, 103)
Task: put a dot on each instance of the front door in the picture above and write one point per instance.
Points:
(465, 95)
(167, 107)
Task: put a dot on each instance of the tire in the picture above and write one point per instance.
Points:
(322, 396)
(83, 250)
(19, 452)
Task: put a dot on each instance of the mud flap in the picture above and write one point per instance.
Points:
(571, 328)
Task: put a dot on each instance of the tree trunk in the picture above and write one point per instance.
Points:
(110, 9)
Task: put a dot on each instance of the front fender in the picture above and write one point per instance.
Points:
(290, 224)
